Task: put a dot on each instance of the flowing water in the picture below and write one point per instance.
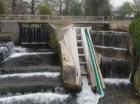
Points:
(115, 68)
(32, 76)
(110, 39)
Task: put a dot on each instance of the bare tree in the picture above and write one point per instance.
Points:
(97, 7)
(34, 5)
(13, 5)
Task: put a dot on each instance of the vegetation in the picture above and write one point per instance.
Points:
(137, 81)
(58, 7)
(126, 9)
(3, 7)
(54, 43)
(136, 8)
(45, 9)
(97, 8)
(134, 30)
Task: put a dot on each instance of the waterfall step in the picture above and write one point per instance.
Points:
(29, 69)
(30, 59)
(115, 68)
(84, 74)
(79, 41)
(81, 55)
(110, 38)
(121, 53)
(30, 82)
(83, 63)
(34, 43)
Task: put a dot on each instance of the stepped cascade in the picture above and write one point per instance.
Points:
(113, 46)
(25, 70)
(33, 73)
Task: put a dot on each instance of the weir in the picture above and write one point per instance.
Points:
(113, 46)
(110, 39)
(25, 70)
(115, 68)
(35, 69)
(33, 33)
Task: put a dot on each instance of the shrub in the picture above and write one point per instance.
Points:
(45, 10)
(134, 30)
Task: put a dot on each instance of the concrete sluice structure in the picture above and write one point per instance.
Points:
(79, 59)
(26, 75)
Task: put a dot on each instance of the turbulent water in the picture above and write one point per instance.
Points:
(86, 96)
(36, 98)
(57, 95)
(25, 60)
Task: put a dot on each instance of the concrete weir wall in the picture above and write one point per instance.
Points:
(71, 75)
(9, 29)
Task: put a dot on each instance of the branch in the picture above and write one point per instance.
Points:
(38, 6)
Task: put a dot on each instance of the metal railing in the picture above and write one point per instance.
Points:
(93, 62)
(50, 17)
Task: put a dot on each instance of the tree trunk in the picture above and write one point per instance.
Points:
(60, 11)
(33, 7)
(13, 5)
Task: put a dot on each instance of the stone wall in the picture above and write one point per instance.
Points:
(10, 28)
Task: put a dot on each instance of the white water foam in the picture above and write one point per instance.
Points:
(123, 49)
(24, 75)
(37, 98)
(26, 54)
(116, 81)
(86, 96)
(20, 49)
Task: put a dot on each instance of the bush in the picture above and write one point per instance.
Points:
(134, 30)
(45, 10)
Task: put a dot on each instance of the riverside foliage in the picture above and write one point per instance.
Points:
(134, 30)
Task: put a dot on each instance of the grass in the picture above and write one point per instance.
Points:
(61, 25)
(137, 80)
(120, 22)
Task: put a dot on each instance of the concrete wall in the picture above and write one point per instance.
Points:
(95, 26)
(10, 29)
(71, 76)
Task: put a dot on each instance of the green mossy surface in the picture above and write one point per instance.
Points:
(136, 81)
(53, 42)
(134, 30)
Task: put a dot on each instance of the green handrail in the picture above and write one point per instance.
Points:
(93, 63)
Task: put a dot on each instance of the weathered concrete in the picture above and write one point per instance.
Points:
(71, 77)
(95, 25)
(5, 37)
(10, 28)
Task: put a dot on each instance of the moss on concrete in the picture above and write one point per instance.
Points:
(53, 42)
